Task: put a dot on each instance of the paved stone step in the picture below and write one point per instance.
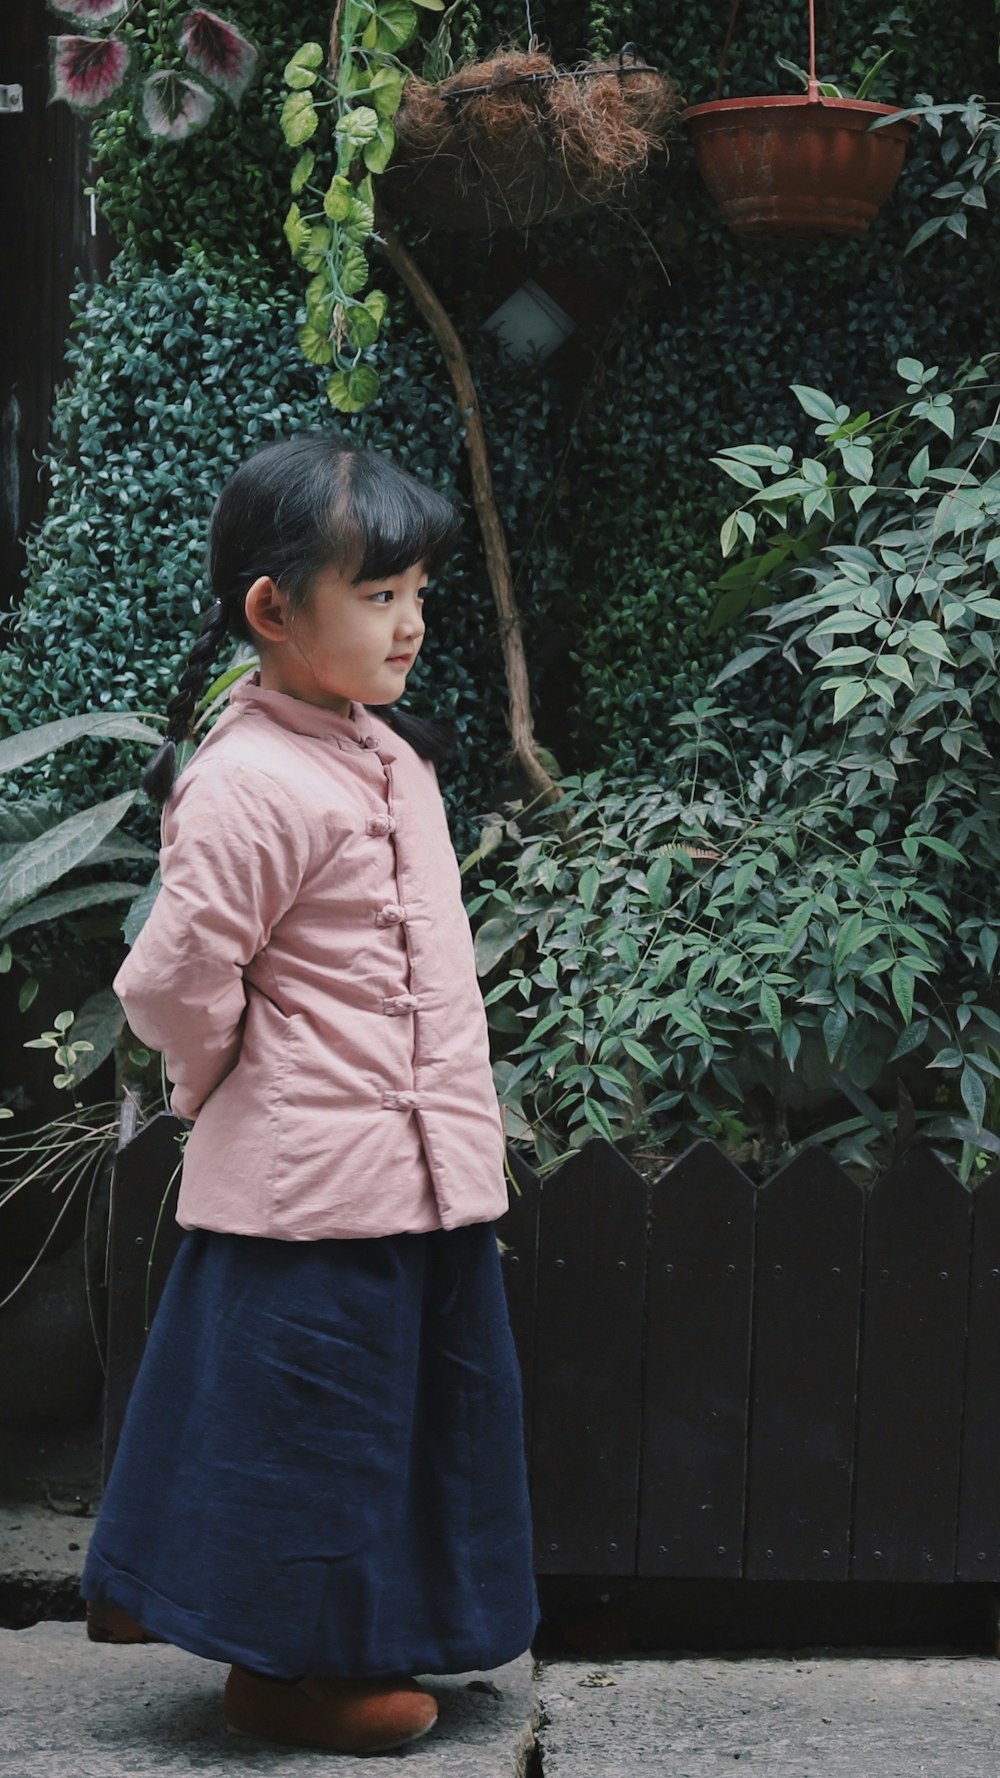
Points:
(837, 1716)
(70, 1708)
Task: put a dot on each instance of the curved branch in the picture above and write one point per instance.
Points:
(484, 499)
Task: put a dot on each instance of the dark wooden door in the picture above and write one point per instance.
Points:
(49, 237)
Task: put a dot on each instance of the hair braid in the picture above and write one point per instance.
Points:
(159, 775)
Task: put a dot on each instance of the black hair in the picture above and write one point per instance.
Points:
(289, 511)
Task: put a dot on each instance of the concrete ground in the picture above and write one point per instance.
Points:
(77, 1709)
(86, 1710)
(70, 1708)
(837, 1716)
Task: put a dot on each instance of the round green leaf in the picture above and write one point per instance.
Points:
(358, 126)
(354, 271)
(376, 302)
(387, 91)
(305, 60)
(378, 153)
(302, 171)
(315, 344)
(351, 391)
(299, 119)
(337, 202)
(296, 231)
(362, 327)
(316, 249)
(391, 26)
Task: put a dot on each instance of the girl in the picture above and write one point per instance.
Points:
(320, 1479)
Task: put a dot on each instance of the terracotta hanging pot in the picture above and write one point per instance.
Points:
(799, 164)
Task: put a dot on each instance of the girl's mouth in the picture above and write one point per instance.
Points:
(399, 660)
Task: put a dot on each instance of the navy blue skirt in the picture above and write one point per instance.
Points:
(321, 1469)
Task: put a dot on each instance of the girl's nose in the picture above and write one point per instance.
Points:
(411, 624)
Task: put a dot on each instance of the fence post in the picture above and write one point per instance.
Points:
(587, 1408)
(700, 1279)
(807, 1310)
(979, 1491)
(913, 1342)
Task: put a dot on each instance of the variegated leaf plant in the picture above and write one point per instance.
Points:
(195, 60)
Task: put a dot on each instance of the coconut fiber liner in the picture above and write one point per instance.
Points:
(513, 140)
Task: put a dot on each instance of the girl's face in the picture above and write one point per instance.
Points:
(345, 642)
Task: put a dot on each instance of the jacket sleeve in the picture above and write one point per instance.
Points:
(234, 853)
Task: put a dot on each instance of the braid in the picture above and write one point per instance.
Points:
(428, 739)
(159, 775)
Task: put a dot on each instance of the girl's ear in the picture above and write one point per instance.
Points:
(267, 611)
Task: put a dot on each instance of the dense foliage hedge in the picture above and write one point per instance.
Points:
(188, 356)
(610, 499)
(176, 376)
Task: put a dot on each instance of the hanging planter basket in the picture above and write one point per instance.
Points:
(514, 140)
(798, 164)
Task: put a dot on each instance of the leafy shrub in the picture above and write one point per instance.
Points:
(895, 527)
(820, 912)
(725, 951)
(974, 163)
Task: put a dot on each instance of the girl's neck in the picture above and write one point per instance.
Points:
(277, 675)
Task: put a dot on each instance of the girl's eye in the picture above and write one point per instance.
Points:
(386, 595)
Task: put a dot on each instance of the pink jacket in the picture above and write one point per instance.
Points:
(308, 972)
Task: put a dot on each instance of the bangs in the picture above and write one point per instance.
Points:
(386, 521)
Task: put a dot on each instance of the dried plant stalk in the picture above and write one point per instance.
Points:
(516, 140)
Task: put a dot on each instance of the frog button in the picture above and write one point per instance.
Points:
(400, 1003)
(368, 742)
(400, 1101)
(380, 825)
(393, 914)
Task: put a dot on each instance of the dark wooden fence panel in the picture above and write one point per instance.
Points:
(697, 1369)
(143, 1240)
(912, 1374)
(807, 1300)
(979, 1496)
(656, 1446)
(587, 1396)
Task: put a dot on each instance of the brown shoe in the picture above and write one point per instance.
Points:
(109, 1623)
(339, 1715)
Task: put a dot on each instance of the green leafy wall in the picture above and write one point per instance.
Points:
(188, 358)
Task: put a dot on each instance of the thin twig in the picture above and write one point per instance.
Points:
(484, 499)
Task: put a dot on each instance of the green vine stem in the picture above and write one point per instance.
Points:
(358, 84)
(363, 92)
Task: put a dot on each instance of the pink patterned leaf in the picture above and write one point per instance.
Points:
(89, 12)
(218, 52)
(173, 107)
(88, 71)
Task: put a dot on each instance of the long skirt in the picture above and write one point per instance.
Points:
(321, 1469)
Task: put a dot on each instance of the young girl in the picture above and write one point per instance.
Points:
(320, 1479)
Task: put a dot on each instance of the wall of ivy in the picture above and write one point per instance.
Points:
(187, 358)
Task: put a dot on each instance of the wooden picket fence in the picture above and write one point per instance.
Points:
(793, 1381)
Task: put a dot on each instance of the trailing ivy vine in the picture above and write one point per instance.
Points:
(332, 220)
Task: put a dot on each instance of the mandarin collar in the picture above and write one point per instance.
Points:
(356, 730)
